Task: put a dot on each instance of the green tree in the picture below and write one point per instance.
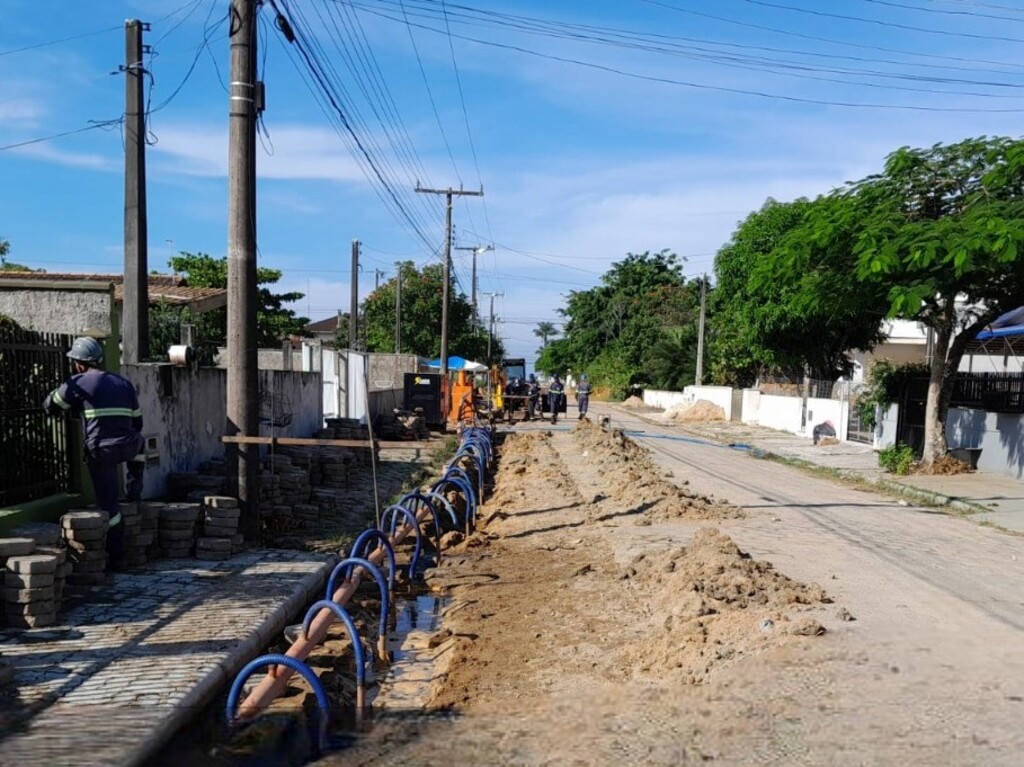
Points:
(942, 231)
(10, 266)
(783, 301)
(544, 331)
(422, 292)
(274, 322)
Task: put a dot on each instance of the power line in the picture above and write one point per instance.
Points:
(48, 43)
(95, 124)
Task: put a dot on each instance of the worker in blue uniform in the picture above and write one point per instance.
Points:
(556, 390)
(112, 419)
(583, 395)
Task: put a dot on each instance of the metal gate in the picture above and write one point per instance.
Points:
(34, 446)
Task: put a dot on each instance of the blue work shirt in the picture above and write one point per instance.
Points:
(106, 403)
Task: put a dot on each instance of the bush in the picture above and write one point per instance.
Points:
(896, 459)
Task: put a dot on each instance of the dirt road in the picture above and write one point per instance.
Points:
(614, 609)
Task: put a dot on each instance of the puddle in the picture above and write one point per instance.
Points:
(406, 685)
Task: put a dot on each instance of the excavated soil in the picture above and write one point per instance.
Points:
(947, 464)
(633, 402)
(700, 411)
(555, 651)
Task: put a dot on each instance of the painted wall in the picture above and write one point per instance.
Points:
(782, 413)
(186, 412)
(718, 395)
(999, 435)
(58, 311)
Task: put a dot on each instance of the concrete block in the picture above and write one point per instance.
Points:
(32, 621)
(219, 531)
(213, 556)
(90, 555)
(174, 524)
(22, 596)
(222, 515)
(85, 520)
(29, 608)
(28, 580)
(58, 551)
(87, 579)
(176, 535)
(220, 502)
(16, 547)
(92, 535)
(33, 563)
(179, 512)
(213, 544)
(43, 533)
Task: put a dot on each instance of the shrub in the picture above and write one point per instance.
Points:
(896, 459)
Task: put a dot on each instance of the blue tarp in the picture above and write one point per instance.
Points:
(458, 363)
(1009, 324)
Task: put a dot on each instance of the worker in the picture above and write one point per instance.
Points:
(556, 390)
(583, 395)
(533, 396)
(112, 419)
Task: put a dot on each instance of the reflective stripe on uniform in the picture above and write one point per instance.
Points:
(115, 520)
(137, 413)
(58, 400)
(140, 457)
(103, 412)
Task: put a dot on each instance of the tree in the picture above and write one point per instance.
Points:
(783, 301)
(274, 322)
(545, 330)
(942, 231)
(10, 266)
(422, 293)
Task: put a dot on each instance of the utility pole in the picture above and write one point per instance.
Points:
(448, 193)
(477, 250)
(243, 383)
(135, 323)
(353, 315)
(490, 325)
(700, 330)
(398, 307)
(377, 274)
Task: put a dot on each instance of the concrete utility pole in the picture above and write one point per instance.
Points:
(398, 307)
(353, 315)
(448, 193)
(243, 384)
(377, 274)
(490, 325)
(477, 250)
(135, 323)
(700, 330)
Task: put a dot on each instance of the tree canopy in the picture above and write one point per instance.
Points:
(274, 322)
(614, 331)
(421, 299)
(10, 266)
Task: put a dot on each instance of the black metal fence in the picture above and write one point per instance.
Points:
(34, 446)
(995, 392)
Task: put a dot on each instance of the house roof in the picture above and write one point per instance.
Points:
(168, 289)
(328, 325)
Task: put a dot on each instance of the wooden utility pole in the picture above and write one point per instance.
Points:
(448, 193)
(398, 307)
(353, 312)
(700, 330)
(135, 322)
(377, 274)
(243, 384)
(477, 250)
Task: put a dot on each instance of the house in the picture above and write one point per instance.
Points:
(325, 330)
(74, 303)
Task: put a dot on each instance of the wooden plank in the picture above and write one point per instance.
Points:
(312, 442)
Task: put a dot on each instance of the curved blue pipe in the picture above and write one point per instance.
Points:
(463, 487)
(447, 506)
(478, 466)
(353, 635)
(360, 544)
(458, 472)
(276, 659)
(343, 568)
(389, 517)
(418, 498)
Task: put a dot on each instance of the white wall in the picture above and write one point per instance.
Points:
(782, 413)
(59, 311)
(718, 395)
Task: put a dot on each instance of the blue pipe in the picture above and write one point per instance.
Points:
(419, 499)
(276, 659)
(460, 485)
(360, 544)
(447, 506)
(353, 635)
(389, 516)
(457, 472)
(343, 568)
(478, 466)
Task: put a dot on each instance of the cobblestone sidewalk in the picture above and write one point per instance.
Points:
(132, 660)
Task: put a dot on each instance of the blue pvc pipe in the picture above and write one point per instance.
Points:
(478, 466)
(343, 568)
(353, 635)
(457, 472)
(447, 506)
(360, 544)
(418, 498)
(460, 485)
(296, 665)
(389, 516)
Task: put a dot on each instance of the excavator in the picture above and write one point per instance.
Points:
(509, 397)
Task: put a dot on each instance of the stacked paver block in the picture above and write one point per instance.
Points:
(178, 529)
(29, 590)
(47, 537)
(150, 514)
(15, 546)
(137, 540)
(181, 485)
(85, 538)
(307, 513)
(220, 526)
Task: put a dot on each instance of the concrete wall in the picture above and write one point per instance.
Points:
(718, 395)
(751, 408)
(186, 412)
(777, 412)
(59, 311)
(999, 435)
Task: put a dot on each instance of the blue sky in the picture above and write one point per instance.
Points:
(585, 150)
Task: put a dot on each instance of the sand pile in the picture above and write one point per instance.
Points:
(827, 441)
(701, 411)
(633, 402)
(630, 476)
(947, 464)
(715, 603)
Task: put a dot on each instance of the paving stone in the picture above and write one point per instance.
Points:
(219, 531)
(28, 580)
(33, 563)
(87, 579)
(94, 566)
(213, 544)
(222, 516)
(22, 596)
(77, 558)
(176, 535)
(220, 502)
(16, 547)
(31, 622)
(58, 551)
(179, 512)
(84, 520)
(213, 556)
(90, 536)
(43, 533)
(29, 608)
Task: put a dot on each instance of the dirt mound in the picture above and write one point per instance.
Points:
(715, 603)
(701, 411)
(827, 441)
(631, 476)
(633, 402)
(947, 464)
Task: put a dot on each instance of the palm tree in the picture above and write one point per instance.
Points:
(544, 330)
